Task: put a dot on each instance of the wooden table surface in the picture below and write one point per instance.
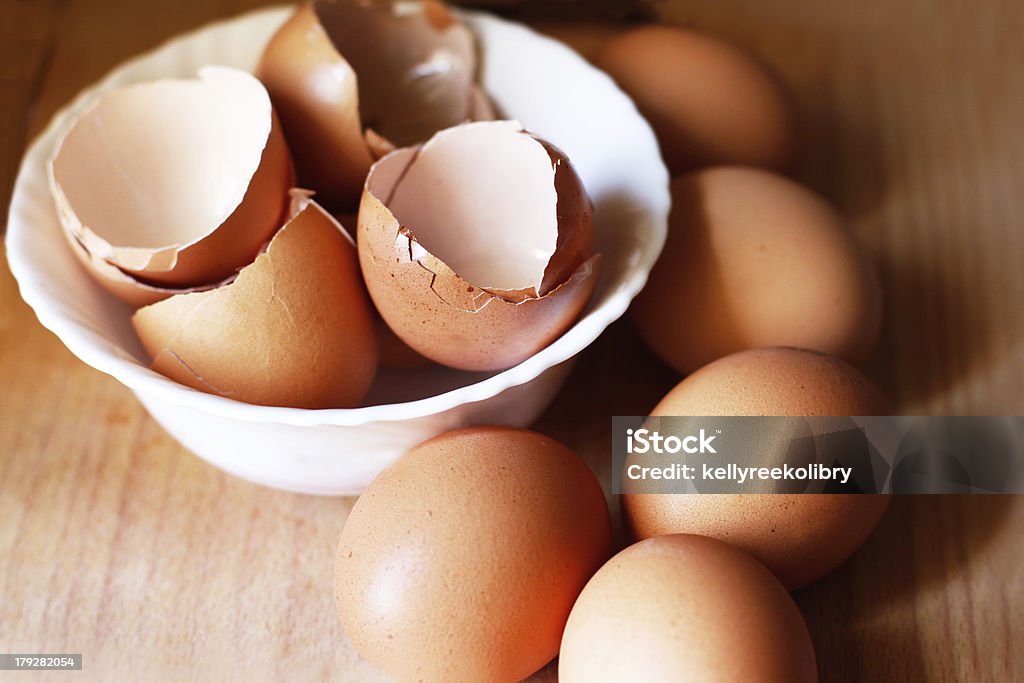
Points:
(117, 543)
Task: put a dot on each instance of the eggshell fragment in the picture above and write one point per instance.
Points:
(477, 247)
(800, 537)
(679, 608)
(126, 288)
(175, 182)
(462, 561)
(351, 79)
(753, 259)
(294, 329)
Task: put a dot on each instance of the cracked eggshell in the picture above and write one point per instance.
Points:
(351, 79)
(477, 247)
(294, 329)
(117, 282)
(175, 183)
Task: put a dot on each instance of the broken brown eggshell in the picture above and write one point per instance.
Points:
(477, 247)
(126, 288)
(351, 79)
(173, 184)
(294, 329)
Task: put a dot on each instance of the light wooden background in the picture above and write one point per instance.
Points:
(117, 543)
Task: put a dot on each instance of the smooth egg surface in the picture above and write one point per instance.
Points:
(800, 537)
(462, 560)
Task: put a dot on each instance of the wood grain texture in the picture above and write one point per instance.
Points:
(117, 543)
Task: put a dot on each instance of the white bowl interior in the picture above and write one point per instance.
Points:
(534, 79)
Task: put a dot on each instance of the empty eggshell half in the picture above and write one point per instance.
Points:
(177, 183)
(294, 329)
(352, 78)
(478, 246)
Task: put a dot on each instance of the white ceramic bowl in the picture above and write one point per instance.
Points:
(534, 79)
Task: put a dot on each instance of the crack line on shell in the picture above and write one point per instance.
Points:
(273, 292)
(433, 280)
(191, 371)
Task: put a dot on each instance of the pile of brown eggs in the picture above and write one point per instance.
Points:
(211, 205)
(484, 553)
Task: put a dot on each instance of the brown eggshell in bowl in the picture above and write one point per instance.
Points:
(353, 79)
(177, 183)
(518, 265)
(133, 292)
(294, 329)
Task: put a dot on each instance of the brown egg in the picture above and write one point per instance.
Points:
(800, 537)
(753, 259)
(294, 329)
(685, 608)
(709, 102)
(478, 246)
(462, 560)
(175, 183)
(350, 78)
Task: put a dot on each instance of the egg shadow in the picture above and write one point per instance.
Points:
(866, 610)
(929, 322)
(840, 156)
(616, 375)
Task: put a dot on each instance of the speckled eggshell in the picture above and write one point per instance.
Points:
(799, 537)
(685, 608)
(462, 561)
(752, 260)
(708, 101)
(445, 317)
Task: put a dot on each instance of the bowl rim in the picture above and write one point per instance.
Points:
(90, 348)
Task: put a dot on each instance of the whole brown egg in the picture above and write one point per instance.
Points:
(753, 259)
(800, 537)
(685, 608)
(462, 561)
(708, 101)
